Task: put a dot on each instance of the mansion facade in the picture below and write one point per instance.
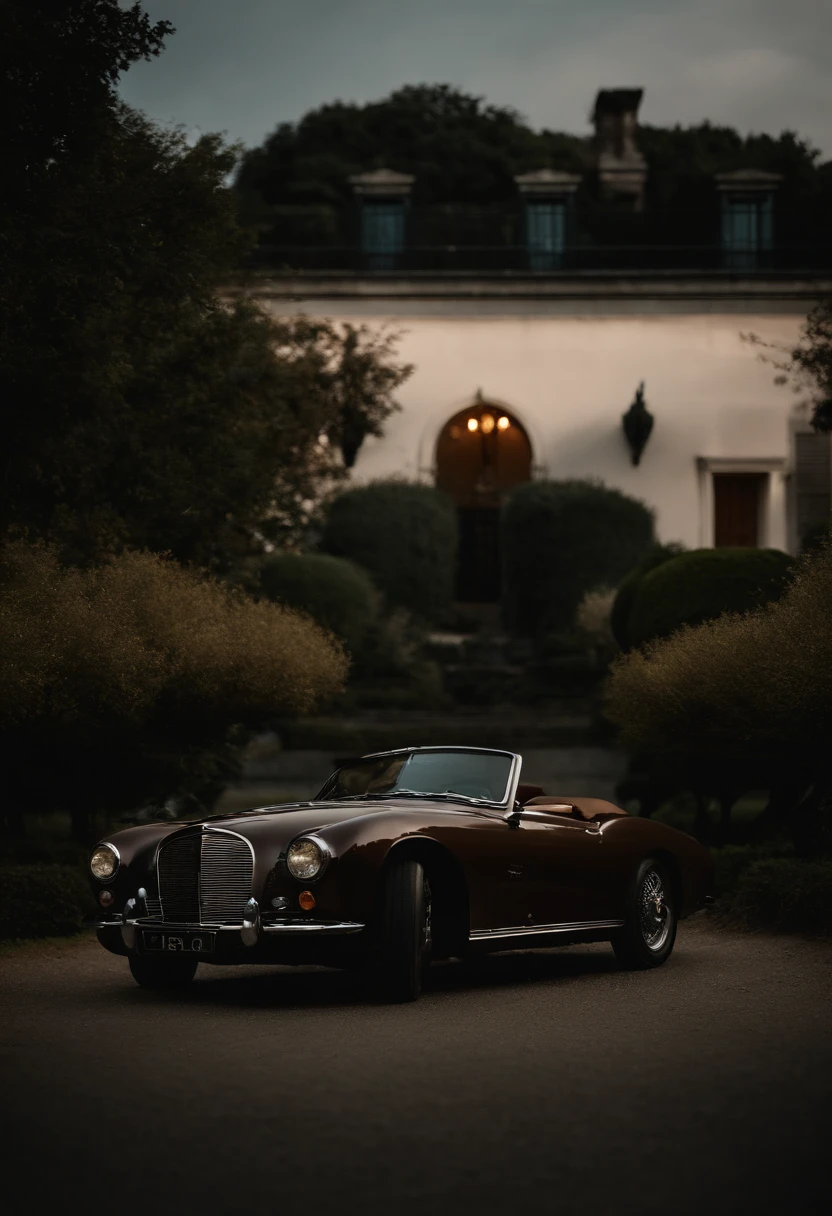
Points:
(524, 365)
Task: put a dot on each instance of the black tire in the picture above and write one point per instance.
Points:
(650, 919)
(405, 935)
(162, 972)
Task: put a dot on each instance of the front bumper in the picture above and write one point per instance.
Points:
(250, 932)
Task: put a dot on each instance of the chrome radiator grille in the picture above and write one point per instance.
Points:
(205, 877)
(225, 878)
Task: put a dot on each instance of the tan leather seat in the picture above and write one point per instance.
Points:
(581, 808)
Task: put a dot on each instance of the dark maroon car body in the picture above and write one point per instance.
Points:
(517, 870)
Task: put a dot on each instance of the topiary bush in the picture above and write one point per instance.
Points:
(42, 900)
(562, 539)
(703, 584)
(405, 535)
(335, 592)
(625, 595)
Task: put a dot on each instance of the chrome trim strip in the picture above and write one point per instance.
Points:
(321, 926)
(481, 935)
(285, 926)
(513, 782)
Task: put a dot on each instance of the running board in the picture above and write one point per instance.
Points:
(579, 926)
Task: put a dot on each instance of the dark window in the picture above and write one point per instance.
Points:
(812, 481)
(738, 502)
(747, 229)
(382, 233)
(546, 233)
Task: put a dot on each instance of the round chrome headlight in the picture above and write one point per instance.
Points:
(305, 859)
(104, 862)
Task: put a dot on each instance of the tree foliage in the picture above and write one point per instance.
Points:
(139, 408)
(810, 364)
(458, 148)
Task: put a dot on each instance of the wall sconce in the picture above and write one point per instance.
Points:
(638, 424)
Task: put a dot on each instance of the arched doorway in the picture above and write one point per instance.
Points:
(481, 453)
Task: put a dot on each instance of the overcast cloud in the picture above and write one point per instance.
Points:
(243, 66)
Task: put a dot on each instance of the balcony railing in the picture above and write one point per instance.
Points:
(467, 239)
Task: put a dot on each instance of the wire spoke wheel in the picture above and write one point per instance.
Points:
(647, 936)
(654, 911)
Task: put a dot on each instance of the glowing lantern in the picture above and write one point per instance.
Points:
(487, 423)
(473, 425)
(503, 423)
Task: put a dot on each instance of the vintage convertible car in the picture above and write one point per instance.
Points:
(403, 856)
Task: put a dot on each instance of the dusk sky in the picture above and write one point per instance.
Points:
(245, 66)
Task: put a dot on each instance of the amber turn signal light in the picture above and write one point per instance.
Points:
(306, 900)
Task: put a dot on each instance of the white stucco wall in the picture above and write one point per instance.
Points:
(569, 378)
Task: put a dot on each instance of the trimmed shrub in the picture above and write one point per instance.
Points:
(748, 693)
(42, 900)
(562, 539)
(703, 584)
(405, 535)
(335, 592)
(625, 596)
(784, 896)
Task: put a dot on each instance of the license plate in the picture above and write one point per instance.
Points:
(177, 943)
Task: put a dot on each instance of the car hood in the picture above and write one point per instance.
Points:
(291, 819)
(271, 829)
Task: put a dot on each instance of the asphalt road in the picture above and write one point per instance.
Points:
(546, 1081)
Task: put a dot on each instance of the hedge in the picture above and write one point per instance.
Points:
(405, 535)
(625, 595)
(703, 584)
(335, 592)
(784, 896)
(42, 900)
(562, 539)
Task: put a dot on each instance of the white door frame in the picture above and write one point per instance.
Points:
(773, 531)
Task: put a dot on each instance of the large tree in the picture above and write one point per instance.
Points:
(139, 408)
(460, 149)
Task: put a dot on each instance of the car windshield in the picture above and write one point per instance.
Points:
(445, 773)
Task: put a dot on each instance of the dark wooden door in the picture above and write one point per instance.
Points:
(478, 563)
(738, 500)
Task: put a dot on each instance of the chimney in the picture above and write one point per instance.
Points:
(621, 167)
